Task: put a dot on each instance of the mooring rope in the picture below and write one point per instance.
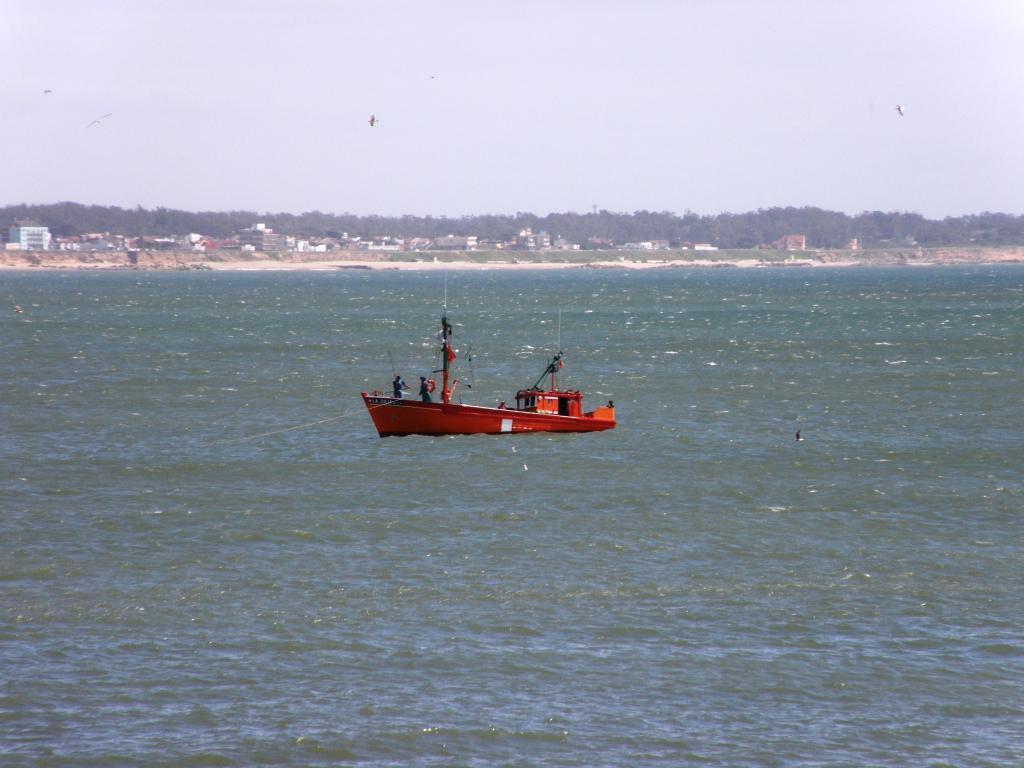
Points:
(289, 429)
(279, 431)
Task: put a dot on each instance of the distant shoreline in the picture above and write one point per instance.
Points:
(501, 260)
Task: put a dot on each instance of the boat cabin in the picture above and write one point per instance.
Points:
(556, 402)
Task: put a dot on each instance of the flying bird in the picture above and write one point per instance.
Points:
(899, 109)
(47, 91)
(99, 120)
(373, 120)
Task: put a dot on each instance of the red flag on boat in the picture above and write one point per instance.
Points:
(561, 363)
(451, 354)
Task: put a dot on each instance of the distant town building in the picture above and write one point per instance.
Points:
(259, 238)
(383, 244)
(66, 243)
(417, 243)
(526, 240)
(646, 245)
(561, 244)
(791, 243)
(853, 245)
(96, 241)
(454, 243)
(158, 243)
(30, 236)
(704, 247)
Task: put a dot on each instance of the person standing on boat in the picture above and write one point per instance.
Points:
(398, 385)
(424, 389)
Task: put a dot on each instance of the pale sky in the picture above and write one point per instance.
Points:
(522, 105)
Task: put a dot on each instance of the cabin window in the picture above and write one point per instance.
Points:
(563, 406)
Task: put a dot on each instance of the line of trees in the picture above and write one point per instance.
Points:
(824, 229)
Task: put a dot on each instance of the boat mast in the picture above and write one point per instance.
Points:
(556, 362)
(553, 366)
(446, 332)
(446, 355)
(558, 357)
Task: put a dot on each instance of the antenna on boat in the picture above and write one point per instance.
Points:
(559, 329)
(446, 292)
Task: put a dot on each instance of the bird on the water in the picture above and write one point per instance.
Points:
(798, 438)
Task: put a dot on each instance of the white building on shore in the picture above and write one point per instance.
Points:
(30, 236)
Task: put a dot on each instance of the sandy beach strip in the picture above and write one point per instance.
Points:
(57, 260)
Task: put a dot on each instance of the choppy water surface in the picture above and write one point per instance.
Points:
(693, 588)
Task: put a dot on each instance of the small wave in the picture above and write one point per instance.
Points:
(490, 734)
(631, 631)
(40, 572)
(1000, 649)
(333, 750)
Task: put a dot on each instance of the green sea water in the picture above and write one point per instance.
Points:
(695, 587)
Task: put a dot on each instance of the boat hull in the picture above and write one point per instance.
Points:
(394, 417)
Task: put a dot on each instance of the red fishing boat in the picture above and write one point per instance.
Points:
(536, 409)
